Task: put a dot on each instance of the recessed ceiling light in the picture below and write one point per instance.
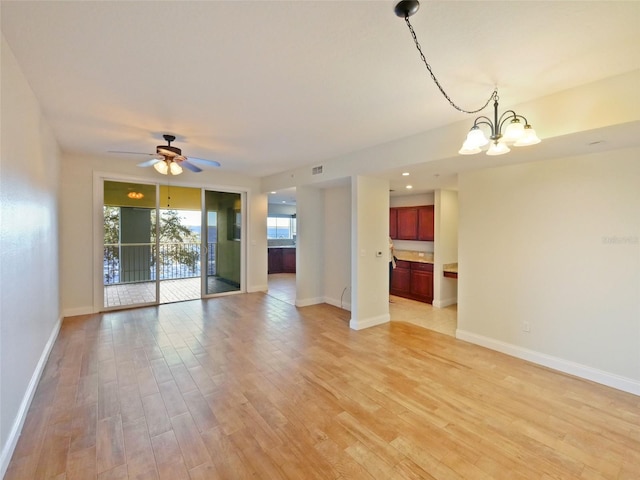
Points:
(273, 193)
(405, 174)
(284, 201)
(409, 187)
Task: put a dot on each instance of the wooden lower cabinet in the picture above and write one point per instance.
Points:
(282, 260)
(288, 260)
(413, 280)
(401, 279)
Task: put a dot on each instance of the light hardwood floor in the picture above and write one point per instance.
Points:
(248, 386)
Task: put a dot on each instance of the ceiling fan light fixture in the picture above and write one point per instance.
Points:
(174, 168)
(161, 167)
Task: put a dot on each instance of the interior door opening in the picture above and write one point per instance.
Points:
(223, 239)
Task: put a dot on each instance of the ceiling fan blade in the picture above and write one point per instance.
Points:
(133, 153)
(211, 163)
(149, 163)
(188, 166)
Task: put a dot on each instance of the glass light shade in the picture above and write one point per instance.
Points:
(175, 169)
(529, 137)
(161, 167)
(498, 148)
(476, 138)
(468, 149)
(514, 131)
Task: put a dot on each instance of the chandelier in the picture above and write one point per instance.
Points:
(518, 131)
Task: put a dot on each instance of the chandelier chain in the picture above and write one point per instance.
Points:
(494, 94)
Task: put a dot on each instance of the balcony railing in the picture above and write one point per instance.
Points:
(140, 262)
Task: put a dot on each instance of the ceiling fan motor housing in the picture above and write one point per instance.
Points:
(168, 151)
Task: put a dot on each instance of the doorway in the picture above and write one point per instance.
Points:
(165, 244)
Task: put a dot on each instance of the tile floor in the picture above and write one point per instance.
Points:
(170, 291)
(444, 320)
(283, 287)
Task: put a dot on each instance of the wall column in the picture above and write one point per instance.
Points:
(369, 252)
(309, 248)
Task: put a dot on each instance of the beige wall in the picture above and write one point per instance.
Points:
(369, 235)
(29, 268)
(555, 245)
(337, 247)
(81, 207)
(445, 290)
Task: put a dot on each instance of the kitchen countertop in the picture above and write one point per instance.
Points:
(450, 267)
(413, 256)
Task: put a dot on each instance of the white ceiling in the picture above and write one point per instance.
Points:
(267, 86)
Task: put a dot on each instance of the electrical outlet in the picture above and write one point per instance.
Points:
(526, 327)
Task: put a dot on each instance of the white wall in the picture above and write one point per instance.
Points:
(555, 245)
(337, 247)
(309, 247)
(29, 271)
(369, 235)
(445, 290)
(81, 215)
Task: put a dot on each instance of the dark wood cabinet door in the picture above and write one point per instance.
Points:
(275, 260)
(422, 285)
(393, 223)
(289, 260)
(401, 279)
(425, 223)
(407, 223)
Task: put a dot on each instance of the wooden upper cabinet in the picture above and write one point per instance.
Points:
(393, 222)
(411, 223)
(425, 223)
(407, 223)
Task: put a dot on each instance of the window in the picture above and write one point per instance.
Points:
(281, 227)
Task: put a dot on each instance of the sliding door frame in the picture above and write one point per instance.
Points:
(98, 234)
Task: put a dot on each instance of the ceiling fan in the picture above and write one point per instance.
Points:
(168, 160)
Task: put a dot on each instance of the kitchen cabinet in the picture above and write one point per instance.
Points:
(401, 279)
(407, 223)
(282, 260)
(393, 222)
(425, 223)
(412, 223)
(289, 260)
(422, 281)
(413, 280)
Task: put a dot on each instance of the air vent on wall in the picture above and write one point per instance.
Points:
(316, 170)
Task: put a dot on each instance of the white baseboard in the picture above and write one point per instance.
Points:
(444, 303)
(257, 288)
(12, 439)
(305, 302)
(356, 324)
(566, 366)
(336, 303)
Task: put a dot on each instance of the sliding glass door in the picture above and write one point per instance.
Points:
(159, 247)
(129, 253)
(223, 232)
